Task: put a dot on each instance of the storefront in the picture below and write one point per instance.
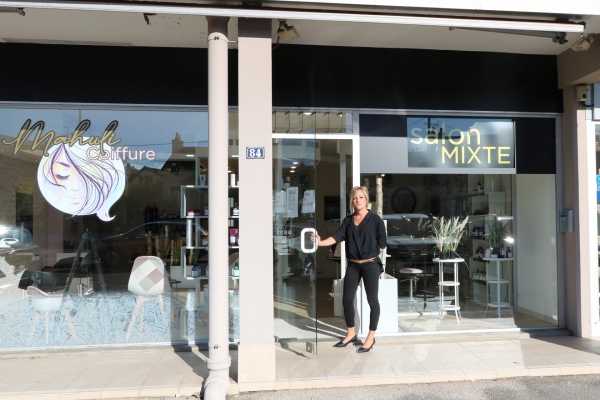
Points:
(104, 237)
(421, 167)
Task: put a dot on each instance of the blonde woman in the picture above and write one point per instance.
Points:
(364, 235)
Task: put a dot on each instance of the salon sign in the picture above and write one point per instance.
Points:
(78, 174)
(460, 143)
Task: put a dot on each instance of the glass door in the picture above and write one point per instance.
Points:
(294, 253)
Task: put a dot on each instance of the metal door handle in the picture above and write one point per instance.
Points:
(303, 240)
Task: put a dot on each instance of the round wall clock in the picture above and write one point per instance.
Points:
(404, 201)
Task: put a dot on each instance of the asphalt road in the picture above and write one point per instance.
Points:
(580, 387)
(577, 387)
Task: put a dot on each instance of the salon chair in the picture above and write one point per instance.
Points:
(147, 280)
(45, 281)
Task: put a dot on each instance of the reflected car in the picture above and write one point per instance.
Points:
(409, 239)
(14, 239)
(118, 252)
(6, 243)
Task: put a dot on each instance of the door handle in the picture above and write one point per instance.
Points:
(303, 240)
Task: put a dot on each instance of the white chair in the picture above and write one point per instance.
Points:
(46, 303)
(147, 279)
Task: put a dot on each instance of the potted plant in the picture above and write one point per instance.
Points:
(163, 248)
(456, 231)
(194, 256)
(497, 233)
(447, 233)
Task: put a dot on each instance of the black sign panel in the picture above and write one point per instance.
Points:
(460, 142)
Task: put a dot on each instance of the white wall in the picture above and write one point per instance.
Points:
(535, 246)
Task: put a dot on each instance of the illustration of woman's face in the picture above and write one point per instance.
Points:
(66, 176)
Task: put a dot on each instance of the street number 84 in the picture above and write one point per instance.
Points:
(255, 152)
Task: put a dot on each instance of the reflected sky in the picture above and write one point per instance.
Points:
(139, 130)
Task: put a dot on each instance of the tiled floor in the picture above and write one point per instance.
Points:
(104, 374)
(437, 359)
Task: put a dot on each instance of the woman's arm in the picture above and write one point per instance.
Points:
(327, 242)
(381, 235)
(337, 237)
(320, 243)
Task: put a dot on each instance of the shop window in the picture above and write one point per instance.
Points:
(311, 122)
(508, 267)
(84, 208)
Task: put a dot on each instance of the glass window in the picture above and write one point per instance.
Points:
(92, 230)
(311, 122)
(597, 136)
(506, 253)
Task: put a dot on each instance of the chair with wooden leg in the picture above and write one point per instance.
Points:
(46, 303)
(147, 279)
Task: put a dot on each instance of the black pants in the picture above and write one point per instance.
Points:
(369, 272)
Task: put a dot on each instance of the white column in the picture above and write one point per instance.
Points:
(219, 361)
(256, 353)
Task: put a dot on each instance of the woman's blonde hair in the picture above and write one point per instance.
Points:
(365, 191)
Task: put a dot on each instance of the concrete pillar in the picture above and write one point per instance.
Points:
(578, 185)
(579, 164)
(256, 368)
(219, 361)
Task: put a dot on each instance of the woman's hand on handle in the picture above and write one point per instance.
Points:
(320, 243)
(315, 236)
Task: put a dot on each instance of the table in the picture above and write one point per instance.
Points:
(453, 283)
(498, 281)
(235, 280)
(198, 282)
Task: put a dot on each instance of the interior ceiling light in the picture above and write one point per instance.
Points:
(295, 162)
(286, 32)
(15, 10)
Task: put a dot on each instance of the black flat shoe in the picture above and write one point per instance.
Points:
(364, 349)
(342, 344)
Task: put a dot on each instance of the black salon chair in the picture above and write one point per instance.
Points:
(45, 281)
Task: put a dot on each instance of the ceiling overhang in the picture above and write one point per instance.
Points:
(311, 14)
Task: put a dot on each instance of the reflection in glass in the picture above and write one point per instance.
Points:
(509, 220)
(151, 282)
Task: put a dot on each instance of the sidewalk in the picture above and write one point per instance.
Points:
(119, 373)
(99, 374)
(437, 359)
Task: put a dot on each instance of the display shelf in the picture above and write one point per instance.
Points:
(198, 201)
(454, 283)
(449, 283)
(206, 217)
(205, 247)
(189, 277)
(206, 187)
(499, 305)
(498, 282)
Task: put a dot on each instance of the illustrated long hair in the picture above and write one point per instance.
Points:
(103, 180)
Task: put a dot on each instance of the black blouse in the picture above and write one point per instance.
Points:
(365, 240)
